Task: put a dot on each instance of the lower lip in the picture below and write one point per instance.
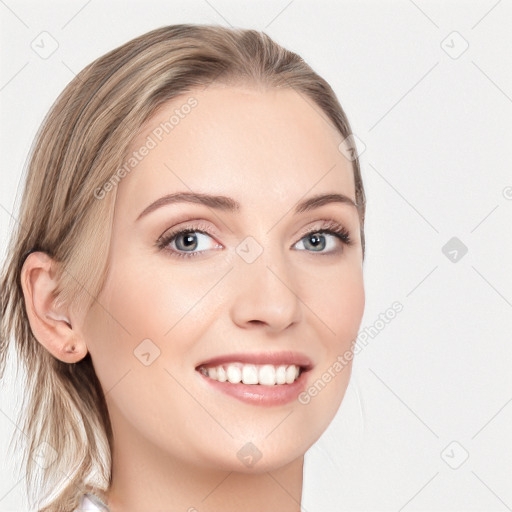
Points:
(259, 394)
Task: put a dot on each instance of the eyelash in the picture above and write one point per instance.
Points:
(329, 227)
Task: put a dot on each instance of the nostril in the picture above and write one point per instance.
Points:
(256, 322)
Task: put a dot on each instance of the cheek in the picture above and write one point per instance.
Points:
(128, 311)
(146, 308)
(338, 305)
(336, 297)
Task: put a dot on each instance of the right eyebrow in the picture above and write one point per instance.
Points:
(212, 201)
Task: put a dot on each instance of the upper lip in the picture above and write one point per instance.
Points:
(274, 358)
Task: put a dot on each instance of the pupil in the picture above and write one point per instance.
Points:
(317, 240)
(189, 240)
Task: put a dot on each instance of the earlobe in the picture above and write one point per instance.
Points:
(52, 326)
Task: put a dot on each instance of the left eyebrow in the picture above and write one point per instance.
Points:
(319, 200)
(228, 204)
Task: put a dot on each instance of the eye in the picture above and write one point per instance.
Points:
(186, 242)
(316, 239)
(192, 241)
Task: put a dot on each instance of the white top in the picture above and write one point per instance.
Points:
(90, 503)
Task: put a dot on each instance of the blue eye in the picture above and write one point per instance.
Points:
(317, 239)
(185, 241)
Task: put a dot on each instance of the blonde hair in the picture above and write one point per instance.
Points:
(82, 141)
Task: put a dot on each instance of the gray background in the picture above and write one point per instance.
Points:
(426, 421)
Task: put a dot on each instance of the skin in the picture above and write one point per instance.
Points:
(175, 438)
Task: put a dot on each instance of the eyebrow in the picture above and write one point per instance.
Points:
(228, 204)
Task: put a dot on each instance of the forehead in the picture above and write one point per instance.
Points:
(252, 144)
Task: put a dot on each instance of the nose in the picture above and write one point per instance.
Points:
(264, 294)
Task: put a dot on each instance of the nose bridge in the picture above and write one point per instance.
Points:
(265, 285)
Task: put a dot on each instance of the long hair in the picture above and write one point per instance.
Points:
(80, 145)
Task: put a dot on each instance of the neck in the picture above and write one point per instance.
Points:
(145, 478)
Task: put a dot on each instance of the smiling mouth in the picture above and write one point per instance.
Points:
(253, 374)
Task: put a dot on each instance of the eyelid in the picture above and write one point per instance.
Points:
(189, 225)
(324, 224)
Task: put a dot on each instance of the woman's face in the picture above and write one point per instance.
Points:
(245, 282)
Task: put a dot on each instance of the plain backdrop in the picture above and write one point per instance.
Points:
(427, 86)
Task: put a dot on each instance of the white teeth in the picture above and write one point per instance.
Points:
(291, 373)
(266, 375)
(221, 374)
(234, 374)
(281, 375)
(249, 374)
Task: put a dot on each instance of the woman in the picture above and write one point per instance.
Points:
(188, 263)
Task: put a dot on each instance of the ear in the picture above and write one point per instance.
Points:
(53, 328)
